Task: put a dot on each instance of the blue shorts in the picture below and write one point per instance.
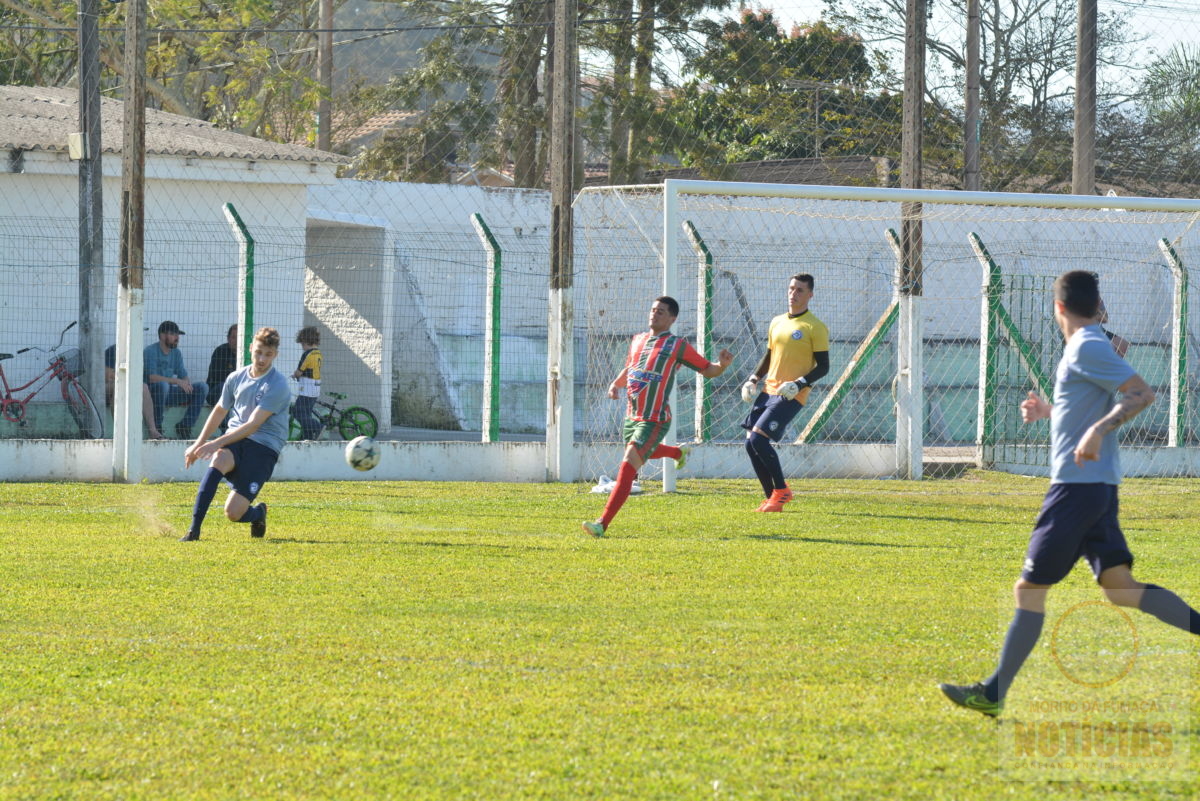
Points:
(1076, 520)
(253, 464)
(771, 414)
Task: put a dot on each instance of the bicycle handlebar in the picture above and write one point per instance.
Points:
(64, 333)
(60, 340)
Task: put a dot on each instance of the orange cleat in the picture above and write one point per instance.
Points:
(776, 501)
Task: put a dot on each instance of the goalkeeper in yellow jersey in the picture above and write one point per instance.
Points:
(797, 355)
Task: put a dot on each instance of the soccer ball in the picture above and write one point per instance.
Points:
(362, 453)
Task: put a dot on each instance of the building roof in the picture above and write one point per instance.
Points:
(380, 123)
(40, 118)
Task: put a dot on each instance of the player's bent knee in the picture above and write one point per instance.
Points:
(1129, 596)
(222, 460)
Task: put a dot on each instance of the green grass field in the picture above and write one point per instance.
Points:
(445, 641)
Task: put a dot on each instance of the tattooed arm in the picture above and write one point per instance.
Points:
(1135, 396)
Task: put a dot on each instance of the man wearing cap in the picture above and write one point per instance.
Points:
(168, 380)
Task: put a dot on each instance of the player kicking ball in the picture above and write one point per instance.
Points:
(1079, 514)
(649, 373)
(256, 398)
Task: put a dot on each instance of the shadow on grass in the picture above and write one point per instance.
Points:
(925, 518)
(830, 541)
(408, 544)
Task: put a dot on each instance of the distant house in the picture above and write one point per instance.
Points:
(353, 137)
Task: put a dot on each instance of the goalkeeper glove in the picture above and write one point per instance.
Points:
(750, 390)
(788, 390)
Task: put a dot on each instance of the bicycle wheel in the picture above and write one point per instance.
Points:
(358, 422)
(87, 416)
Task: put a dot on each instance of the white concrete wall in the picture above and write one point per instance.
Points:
(347, 296)
(77, 460)
(60, 460)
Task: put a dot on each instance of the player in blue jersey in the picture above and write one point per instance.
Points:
(1079, 514)
(256, 398)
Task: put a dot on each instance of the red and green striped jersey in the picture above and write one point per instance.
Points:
(651, 366)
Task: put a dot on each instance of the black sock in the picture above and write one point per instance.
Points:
(253, 514)
(204, 497)
(760, 470)
(1169, 608)
(769, 457)
(1023, 633)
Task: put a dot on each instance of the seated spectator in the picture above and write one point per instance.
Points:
(110, 382)
(168, 380)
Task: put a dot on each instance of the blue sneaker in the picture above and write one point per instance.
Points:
(972, 696)
(596, 529)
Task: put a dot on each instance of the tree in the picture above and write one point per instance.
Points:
(258, 80)
(1171, 93)
(758, 93)
(1026, 80)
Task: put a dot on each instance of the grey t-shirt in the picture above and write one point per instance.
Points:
(1085, 387)
(243, 394)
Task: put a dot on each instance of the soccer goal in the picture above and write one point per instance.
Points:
(938, 306)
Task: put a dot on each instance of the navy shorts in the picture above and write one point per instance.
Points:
(253, 464)
(1077, 520)
(771, 414)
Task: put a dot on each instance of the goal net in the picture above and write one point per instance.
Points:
(949, 360)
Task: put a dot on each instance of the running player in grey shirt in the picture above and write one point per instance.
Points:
(1079, 514)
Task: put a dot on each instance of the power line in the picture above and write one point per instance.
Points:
(381, 30)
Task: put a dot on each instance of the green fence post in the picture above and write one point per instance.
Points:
(245, 282)
(1177, 428)
(704, 317)
(995, 319)
(491, 333)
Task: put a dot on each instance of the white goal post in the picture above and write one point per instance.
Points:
(924, 366)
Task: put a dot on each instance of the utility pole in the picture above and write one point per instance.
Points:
(1083, 165)
(560, 390)
(127, 416)
(91, 204)
(911, 141)
(910, 384)
(325, 76)
(971, 124)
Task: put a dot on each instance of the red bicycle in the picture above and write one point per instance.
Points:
(66, 365)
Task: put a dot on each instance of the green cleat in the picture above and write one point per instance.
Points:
(595, 529)
(972, 696)
(682, 460)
